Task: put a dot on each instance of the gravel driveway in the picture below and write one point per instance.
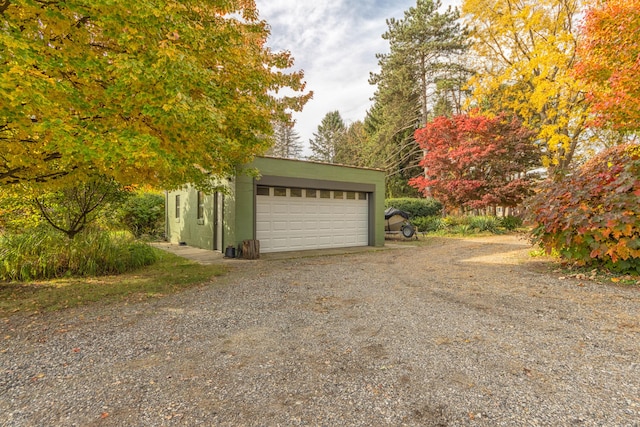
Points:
(466, 332)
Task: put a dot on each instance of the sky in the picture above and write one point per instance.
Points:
(335, 43)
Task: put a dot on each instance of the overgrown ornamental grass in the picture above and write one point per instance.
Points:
(44, 254)
(141, 272)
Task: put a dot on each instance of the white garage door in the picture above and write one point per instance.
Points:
(291, 219)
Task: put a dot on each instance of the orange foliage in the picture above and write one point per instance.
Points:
(609, 63)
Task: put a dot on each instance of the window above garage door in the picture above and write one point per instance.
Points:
(311, 193)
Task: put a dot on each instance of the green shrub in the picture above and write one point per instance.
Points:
(485, 223)
(46, 254)
(416, 207)
(454, 221)
(463, 229)
(511, 222)
(466, 224)
(593, 215)
(428, 224)
(143, 214)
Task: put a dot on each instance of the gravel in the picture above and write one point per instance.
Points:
(459, 332)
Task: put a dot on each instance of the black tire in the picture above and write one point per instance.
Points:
(408, 231)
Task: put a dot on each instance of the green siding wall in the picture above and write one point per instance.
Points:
(187, 228)
(244, 209)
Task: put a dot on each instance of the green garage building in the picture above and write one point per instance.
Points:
(291, 205)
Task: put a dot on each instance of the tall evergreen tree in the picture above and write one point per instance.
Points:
(426, 43)
(354, 150)
(330, 134)
(287, 142)
(423, 68)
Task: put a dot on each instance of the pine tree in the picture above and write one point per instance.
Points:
(330, 134)
(287, 142)
(355, 148)
(424, 65)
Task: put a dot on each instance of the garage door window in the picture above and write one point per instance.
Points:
(310, 193)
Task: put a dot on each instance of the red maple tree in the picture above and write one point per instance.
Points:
(475, 162)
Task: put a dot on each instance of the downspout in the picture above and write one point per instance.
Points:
(166, 216)
(214, 219)
(222, 222)
(255, 209)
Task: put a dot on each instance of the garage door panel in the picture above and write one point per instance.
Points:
(310, 209)
(296, 242)
(265, 211)
(279, 208)
(279, 226)
(294, 223)
(324, 241)
(262, 227)
(309, 242)
(339, 239)
(350, 209)
(325, 225)
(296, 208)
(311, 225)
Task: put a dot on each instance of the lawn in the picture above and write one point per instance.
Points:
(169, 275)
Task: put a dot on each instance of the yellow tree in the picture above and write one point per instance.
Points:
(157, 92)
(525, 51)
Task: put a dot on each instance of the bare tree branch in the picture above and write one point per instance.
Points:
(4, 6)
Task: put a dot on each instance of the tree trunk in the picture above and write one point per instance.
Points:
(250, 249)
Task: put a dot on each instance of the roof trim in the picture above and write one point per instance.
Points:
(320, 163)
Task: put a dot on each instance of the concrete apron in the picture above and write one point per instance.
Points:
(207, 257)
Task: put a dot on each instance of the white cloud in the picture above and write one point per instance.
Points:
(335, 43)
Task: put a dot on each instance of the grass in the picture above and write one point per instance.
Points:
(169, 275)
(44, 254)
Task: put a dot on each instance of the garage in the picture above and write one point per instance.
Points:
(284, 204)
(292, 219)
